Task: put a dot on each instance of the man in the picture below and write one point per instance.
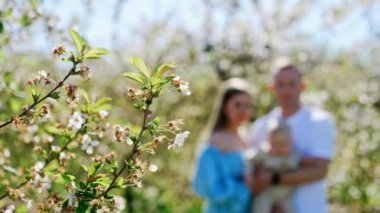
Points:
(313, 134)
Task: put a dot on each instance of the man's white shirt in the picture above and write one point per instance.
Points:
(313, 132)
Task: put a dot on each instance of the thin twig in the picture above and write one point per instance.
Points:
(35, 103)
(131, 154)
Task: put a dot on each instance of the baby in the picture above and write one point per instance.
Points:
(279, 157)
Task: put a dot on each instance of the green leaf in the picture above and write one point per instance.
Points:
(95, 53)
(8, 12)
(15, 105)
(1, 27)
(135, 76)
(25, 21)
(85, 96)
(106, 181)
(119, 183)
(85, 168)
(78, 41)
(94, 167)
(156, 120)
(34, 4)
(35, 95)
(163, 68)
(140, 65)
(53, 130)
(8, 77)
(102, 102)
(68, 176)
(55, 95)
(82, 207)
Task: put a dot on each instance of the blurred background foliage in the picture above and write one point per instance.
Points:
(335, 44)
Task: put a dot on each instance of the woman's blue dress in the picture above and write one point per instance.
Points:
(219, 179)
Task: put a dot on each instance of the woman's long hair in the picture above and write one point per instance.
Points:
(230, 88)
(218, 119)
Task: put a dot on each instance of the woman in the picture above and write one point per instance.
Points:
(220, 166)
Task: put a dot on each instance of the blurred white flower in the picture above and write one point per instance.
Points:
(76, 121)
(139, 184)
(179, 140)
(29, 203)
(55, 148)
(39, 166)
(72, 199)
(6, 152)
(63, 156)
(43, 74)
(184, 87)
(129, 141)
(10, 209)
(119, 202)
(103, 114)
(88, 144)
(122, 135)
(153, 168)
(32, 129)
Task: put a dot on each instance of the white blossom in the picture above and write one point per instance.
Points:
(129, 141)
(6, 152)
(63, 156)
(153, 168)
(122, 135)
(55, 148)
(36, 139)
(43, 74)
(179, 140)
(89, 144)
(76, 121)
(39, 166)
(184, 87)
(10, 209)
(139, 184)
(119, 202)
(29, 203)
(103, 114)
(72, 199)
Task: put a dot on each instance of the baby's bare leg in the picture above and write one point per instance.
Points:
(262, 203)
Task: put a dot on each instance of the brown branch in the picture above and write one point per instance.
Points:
(131, 154)
(47, 162)
(35, 103)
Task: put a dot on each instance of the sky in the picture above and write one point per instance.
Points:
(97, 22)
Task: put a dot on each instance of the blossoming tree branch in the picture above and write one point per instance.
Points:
(59, 143)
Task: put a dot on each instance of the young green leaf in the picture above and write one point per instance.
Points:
(25, 20)
(135, 76)
(102, 102)
(78, 41)
(163, 68)
(68, 176)
(85, 96)
(106, 181)
(140, 65)
(55, 95)
(8, 77)
(95, 53)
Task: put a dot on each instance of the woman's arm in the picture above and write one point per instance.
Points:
(209, 183)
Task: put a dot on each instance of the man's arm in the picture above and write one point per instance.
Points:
(308, 174)
(303, 175)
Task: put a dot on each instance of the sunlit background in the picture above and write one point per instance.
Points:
(335, 43)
